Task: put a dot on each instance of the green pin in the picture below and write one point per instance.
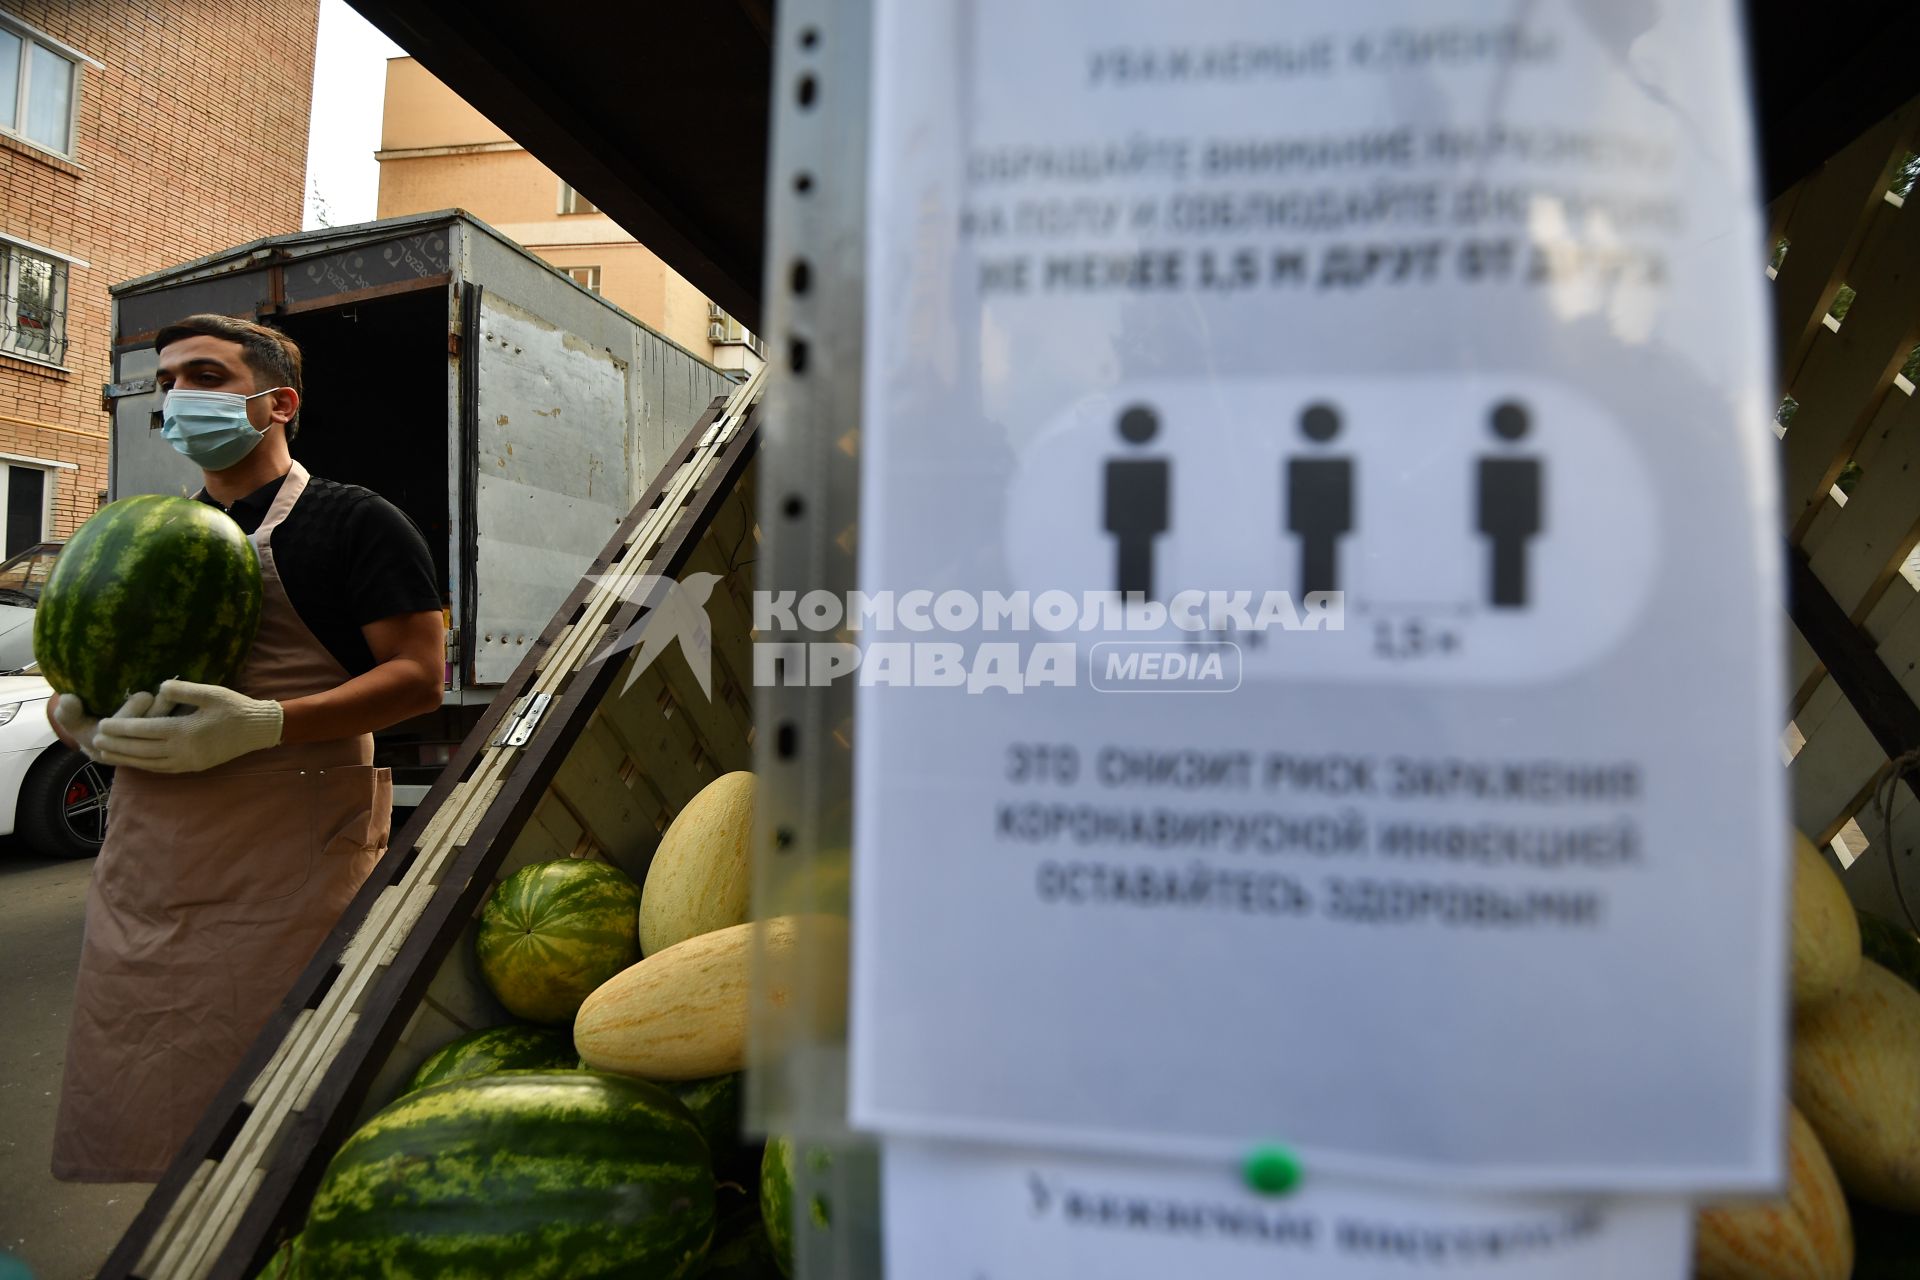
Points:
(1272, 1170)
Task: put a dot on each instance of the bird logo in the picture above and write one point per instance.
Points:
(677, 611)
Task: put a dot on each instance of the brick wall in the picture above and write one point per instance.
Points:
(191, 138)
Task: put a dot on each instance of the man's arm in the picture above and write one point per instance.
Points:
(409, 654)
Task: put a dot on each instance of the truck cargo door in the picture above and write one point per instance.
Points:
(548, 475)
(142, 461)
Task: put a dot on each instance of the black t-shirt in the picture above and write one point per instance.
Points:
(347, 557)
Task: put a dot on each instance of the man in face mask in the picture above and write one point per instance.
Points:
(243, 819)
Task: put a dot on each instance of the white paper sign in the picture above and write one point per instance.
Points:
(1417, 806)
(957, 1213)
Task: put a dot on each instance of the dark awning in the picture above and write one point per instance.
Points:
(658, 112)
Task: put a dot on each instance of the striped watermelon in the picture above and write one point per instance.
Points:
(715, 1106)
(285, 1264)
(538, 1175)
(740, 1249)
(777, 1176)
(1891, 946)
(151, 588)
(480, 1053)
(553, 931)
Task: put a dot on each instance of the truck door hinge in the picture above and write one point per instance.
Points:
(111, 391)
(519, 725)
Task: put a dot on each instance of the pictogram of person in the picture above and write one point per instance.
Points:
(1319, 502)
(1509, 507)
(1137, 502)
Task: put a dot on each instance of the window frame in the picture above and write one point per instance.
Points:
(29, 37)
(591, 284)
(736, 334)
(61, 278)
(48, 478)
(570, 201)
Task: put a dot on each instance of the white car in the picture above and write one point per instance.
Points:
(51, 796)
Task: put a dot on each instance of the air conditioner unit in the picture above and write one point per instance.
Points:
(717, 332)
(714, 312)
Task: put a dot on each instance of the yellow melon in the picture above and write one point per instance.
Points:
(701, 874)
(1804, 1236)
(1856, 1076)
(1826, 933)
(681, 1013)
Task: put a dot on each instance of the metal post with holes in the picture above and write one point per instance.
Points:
(809, 506)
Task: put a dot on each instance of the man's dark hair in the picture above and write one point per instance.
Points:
(272, 355)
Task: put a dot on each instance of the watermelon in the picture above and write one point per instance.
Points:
(553, 931)
(480, 1053)
(740, 1250)
(287, 1263)
(1891, 946)
(715, 1105)
(777, 1176)
(151, 588)
(539, 1175)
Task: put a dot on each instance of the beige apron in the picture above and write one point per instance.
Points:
(210, 895)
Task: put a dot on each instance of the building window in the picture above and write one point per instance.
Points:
(34, 323)
(587, 278)
(25, 496)
(572, 201)
(39, 88)
(724, 331)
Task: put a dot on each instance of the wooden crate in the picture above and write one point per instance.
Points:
(600, 774)
(1850, 463)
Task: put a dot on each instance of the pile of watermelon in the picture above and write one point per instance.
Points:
(598, 1135)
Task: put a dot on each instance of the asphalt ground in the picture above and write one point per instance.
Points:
(59, 1230)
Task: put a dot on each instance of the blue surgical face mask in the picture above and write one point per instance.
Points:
(210, 428)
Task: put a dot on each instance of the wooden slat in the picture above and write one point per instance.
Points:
(1803, 670)
(461, 994)
(1894, 610)
(732, 660)
(1821, 527)
(1874, 718)
(1899, 650)
(1827, 221)
(1876, 530)
(1847, 373)
(659, 738)
(590, 784)
(1870, 881)
(163, 1240)
(1840, 759)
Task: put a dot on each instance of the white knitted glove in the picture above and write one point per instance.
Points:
(71, 715)
(222, 725)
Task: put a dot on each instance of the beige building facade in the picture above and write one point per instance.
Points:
(121, 153)
(437, 152)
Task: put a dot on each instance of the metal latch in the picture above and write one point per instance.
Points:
(521, 723)
(131, 387)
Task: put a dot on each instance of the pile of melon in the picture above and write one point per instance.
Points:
(1854, 1117)
(600, 1134)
